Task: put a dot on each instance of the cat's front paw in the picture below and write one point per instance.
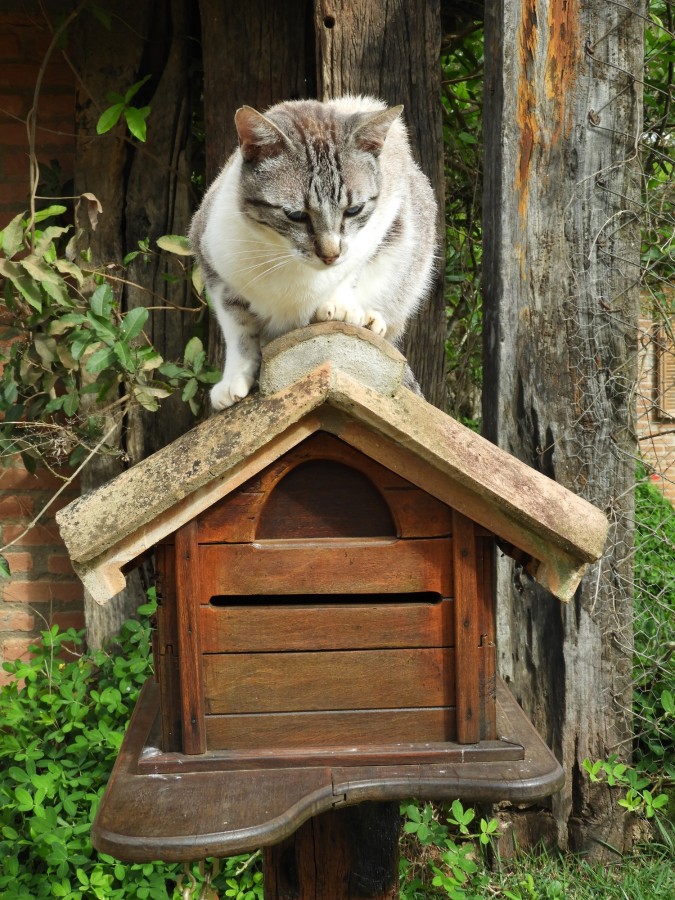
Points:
(374, 322)
(339, 311)
(230, 390)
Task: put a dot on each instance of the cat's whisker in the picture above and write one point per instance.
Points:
(266, 262)
(279, 265)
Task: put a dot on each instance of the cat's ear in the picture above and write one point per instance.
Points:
(258, 137)
(371, 129)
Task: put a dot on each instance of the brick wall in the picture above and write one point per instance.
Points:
(43, 588)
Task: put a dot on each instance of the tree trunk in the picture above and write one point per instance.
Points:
(561, 268)
(142, 194)
(392, 51)
(255, 55)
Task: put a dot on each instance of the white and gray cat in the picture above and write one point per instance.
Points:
(320, 214)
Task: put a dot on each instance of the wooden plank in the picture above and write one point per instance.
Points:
(223, 813)
(189, 643)
(166, 658)
(354, 566)
(233, 519)
(486, 615)
(327, 680)
(350, 730)
(327, 626)
(467, 630)
(221, 759)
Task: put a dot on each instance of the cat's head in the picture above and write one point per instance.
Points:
(311, 173)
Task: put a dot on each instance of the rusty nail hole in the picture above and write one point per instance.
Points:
(329, 21)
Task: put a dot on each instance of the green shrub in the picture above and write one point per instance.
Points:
(654, 626)
(63, 719)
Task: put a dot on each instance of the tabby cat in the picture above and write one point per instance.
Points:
(320, 214)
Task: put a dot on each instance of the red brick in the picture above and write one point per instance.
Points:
(73, 619)
(10, 47)
(59, 565)
(41, 591)
(13, 619)
(37, 536)
(16, 648)
(15, 507)
(18, 479)
(19, 562)
(15, 103)
(14, 73)
(15, 166)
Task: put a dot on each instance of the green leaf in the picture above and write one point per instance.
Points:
(102, 301)
(100, 360)
(55, 210)
(24, 283)
(175, 243)
(124, 355)
(109, 118)
(4, 568)
(133, 323)
(135, 88)
(11, 237)
(71, 404)
(136, 121)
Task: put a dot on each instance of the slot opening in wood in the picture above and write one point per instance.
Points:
(428, 598)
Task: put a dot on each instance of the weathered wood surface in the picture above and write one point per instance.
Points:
(216, 813)
(325, 623)
(561, 280)
(466, 592)
(338, 855)
(329, 680)
(189, 650)
(354, 566)
(120, 520)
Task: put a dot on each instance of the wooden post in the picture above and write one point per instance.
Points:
(561, 274)
(467, 629)
(189, 639)
(343, 854)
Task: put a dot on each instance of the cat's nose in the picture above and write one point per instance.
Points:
(328, 260)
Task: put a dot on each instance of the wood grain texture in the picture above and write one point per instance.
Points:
(561, 303)
(223, 813)
(237, 517)
(335, 567)
(342, 854)
(189, 640)
(467, 629)
(319, 623)
(327, 680)
(348, 734)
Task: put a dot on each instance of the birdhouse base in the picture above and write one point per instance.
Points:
(178, 807)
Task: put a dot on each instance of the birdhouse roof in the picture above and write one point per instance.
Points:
(344, 380)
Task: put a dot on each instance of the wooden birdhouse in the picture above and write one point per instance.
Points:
(325, 632)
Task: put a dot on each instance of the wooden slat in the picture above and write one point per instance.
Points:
(467, 629)
(327, 626)
(488, 678)
(233, 519)
(189, 642)
(360, 679)
(350, 728)
(166, 658)
(326, 567)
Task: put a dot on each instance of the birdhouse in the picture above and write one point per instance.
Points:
(325, 630)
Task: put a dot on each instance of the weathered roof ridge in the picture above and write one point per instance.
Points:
(345, 380)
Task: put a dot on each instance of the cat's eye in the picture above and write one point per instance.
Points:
(354, 210)
(296, 215)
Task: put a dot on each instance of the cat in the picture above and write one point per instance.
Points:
(320, 214)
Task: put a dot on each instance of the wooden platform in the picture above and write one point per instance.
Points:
(178, 808)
